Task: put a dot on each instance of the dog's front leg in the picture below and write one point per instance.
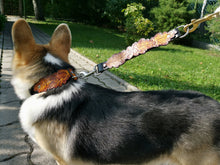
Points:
(60, 162)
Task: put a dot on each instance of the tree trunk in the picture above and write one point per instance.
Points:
(2, 7)
(38, 10)
(20, 8)
(202, 25)
(203, 8)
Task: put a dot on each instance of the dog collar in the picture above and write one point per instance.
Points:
(55, 80)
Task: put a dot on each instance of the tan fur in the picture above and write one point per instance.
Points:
(61, 42)
(27, 51)
(190, 149)
(51, 136)
(196, 146)
(22, 36)
(206, 155)
(25, 60)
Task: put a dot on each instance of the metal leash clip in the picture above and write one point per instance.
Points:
(166, 36)
(195, 23)
(98, 69)
(184, 35)
(85, 74)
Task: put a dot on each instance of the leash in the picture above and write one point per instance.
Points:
(144, 45)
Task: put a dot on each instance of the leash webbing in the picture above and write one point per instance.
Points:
(136, 49)
(144, 45)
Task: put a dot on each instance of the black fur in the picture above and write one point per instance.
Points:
(50, 69)
(216, 127)
(106, 126)
(134, 127)
(116, 127)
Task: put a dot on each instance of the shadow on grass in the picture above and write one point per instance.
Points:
(155, 82)
(87, 36)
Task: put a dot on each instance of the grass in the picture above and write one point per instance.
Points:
(169, 67)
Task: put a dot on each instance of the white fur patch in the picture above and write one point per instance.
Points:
(53, 60)
(35, 106)
(21, 87)
(71, 138)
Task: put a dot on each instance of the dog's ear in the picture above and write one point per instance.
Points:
(26, 50)
(61, 42)
(22, 36)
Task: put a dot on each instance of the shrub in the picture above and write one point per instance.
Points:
(213, 26)
(114, 7)
(171, 13)
(89, 11)
(136, 25)
(2, 21)
(113, 11)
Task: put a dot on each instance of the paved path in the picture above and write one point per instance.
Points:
(15, 146)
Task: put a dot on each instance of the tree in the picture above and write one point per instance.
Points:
(171, 13)
(2, 7)
(203, 8)
(38, 10)
(136, 25)
(20, 8)
(213, 26)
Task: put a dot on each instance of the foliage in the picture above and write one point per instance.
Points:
(38, 10)
(3, 20)
(81, 11)
(136, 25)
(113, 9)
(213, 26)
(169, 67)
(29, 7)
(171, 13)
(214, 29)
(11, 7)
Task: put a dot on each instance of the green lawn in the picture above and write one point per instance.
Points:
(169, 67)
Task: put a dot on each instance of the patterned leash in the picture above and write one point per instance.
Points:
(144, 45)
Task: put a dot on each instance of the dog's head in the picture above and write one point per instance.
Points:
(32, 61)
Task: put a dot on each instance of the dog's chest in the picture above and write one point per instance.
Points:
(21, 87)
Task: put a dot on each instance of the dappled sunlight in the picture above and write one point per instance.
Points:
(167, 67)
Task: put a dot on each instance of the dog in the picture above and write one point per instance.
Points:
(82, 123)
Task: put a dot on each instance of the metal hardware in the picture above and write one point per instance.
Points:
(184, 35)
(167, 36)
(195, 22)
(86, 74)
(98, 69)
